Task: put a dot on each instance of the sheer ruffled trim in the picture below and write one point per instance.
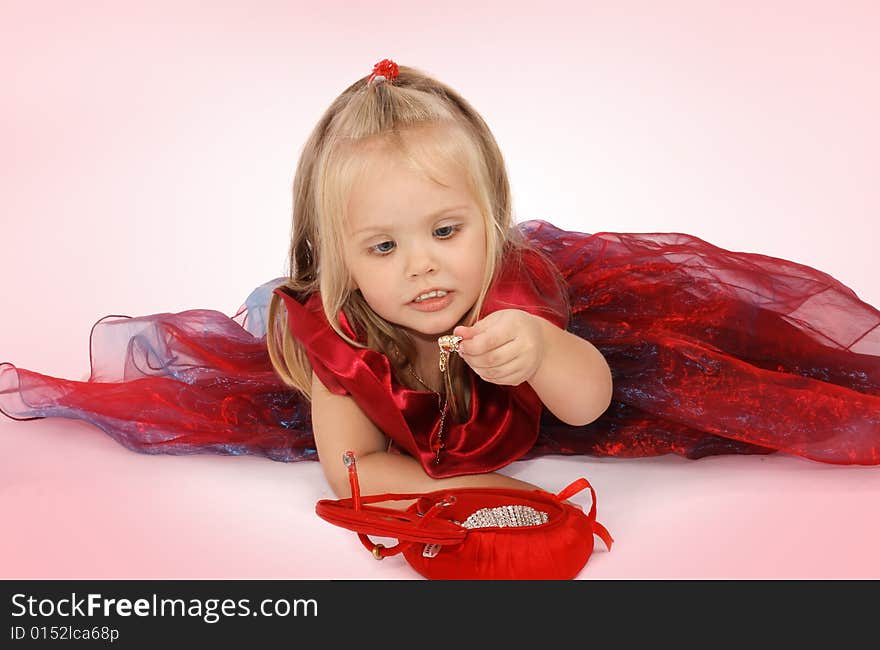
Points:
(191, 382)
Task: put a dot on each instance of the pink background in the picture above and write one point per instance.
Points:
(147, 158)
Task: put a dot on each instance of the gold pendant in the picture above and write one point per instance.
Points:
(448, 343)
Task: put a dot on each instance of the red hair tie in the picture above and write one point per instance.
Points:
(385, 69)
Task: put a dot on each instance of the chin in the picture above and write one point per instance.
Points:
(432, 330)
(435, 332)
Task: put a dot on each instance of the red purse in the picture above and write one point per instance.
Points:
(475, 533)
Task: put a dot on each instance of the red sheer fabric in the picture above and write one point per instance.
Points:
(711, 351)
(715, 351)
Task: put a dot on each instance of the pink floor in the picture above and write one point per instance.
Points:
(75, 504)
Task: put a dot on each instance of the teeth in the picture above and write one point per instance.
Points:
(430, 294)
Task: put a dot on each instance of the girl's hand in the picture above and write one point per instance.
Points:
(504, 348)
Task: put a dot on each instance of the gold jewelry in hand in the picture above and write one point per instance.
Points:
(448, 343)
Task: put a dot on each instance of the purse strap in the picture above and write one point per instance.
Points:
(413, 536)
(409, 527)
(573, 488)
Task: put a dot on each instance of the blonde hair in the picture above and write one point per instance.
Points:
(364, 118)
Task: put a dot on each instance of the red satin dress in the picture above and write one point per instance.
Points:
(503, 421)
(711, 352)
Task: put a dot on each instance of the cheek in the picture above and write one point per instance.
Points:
(362, 271)
(472, 261)
(374, 284)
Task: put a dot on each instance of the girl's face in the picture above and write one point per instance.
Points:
(406, 236)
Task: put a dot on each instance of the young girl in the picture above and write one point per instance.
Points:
(408, 230)
(611, 344)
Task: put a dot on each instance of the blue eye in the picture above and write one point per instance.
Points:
(443, 232)
(452, 230)
(381, 251)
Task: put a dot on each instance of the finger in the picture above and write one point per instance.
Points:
(479, 327)
(485, 342)
(464, 332)
(491, 358)
(509, 376)
(507, 367)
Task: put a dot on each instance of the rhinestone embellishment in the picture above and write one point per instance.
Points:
(506, 516)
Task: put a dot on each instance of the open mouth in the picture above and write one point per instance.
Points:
(433, 304)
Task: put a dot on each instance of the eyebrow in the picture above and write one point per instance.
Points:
(429, 217)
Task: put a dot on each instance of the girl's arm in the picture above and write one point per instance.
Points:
(574, 380)
(569, 374)
(339, 425)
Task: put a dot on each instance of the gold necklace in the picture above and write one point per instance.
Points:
(447, 344)
(440, 444)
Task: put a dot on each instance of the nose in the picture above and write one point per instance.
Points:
(421, 262)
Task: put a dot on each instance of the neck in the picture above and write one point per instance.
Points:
(427, 366)
(427, 361)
